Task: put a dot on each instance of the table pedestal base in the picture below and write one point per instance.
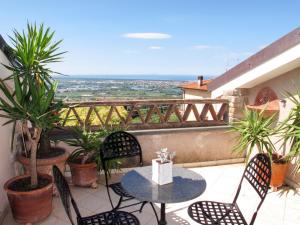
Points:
(162, 220)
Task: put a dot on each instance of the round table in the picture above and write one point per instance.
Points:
(186, 185)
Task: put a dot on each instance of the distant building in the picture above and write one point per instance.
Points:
(196, 90)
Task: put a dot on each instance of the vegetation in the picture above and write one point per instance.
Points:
(31, 102)
(103, 112)
(254, 131)
(88, 145)
(290, 130)
(93, 119)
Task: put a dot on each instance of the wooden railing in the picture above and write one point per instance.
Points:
(146, 114)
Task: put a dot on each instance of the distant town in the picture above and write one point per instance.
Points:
(92, 89)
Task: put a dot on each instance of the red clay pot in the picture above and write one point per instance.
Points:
(45, 165)
(31, 206)
(279, 171)
(84, 175)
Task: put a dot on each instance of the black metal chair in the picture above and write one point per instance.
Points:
(105, 218)
(120, 145)
(258, 174)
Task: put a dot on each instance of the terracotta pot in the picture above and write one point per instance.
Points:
(84, 175)
(279, 171)
(31, 206)
(45, 165)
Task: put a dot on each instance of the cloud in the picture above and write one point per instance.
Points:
(155, 47)
(147, 35)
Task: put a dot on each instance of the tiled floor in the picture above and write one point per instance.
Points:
(279, 208)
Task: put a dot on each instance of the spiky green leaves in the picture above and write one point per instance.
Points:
(254, 130)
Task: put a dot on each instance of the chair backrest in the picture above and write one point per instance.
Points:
(258, 174)
(65, 193)
(119, 145)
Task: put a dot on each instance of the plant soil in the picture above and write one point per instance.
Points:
(278, 159)
(23, 185)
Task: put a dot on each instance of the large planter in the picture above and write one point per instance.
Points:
(44, 165)
(30, 206)
(279, 171)
(84, 175)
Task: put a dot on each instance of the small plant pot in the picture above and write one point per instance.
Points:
(84, 175)
(279, 171)
(30, 206)
(44, 165)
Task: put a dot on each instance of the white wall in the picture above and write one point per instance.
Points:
(6, 156)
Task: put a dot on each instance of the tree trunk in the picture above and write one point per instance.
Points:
(44, 143)
(33, 169)
(34, 140)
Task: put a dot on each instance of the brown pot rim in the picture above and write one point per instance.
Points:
(37, 191)
(281, 163)
(86, 165)
(40, 162)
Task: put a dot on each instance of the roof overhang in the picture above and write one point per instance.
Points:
(277, 58)
(272, 68)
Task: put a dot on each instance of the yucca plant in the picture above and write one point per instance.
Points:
(88, 145)
(31, 102)
(290, 130)
(254, 130)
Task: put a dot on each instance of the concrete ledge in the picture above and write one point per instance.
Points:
(188, 165)
(212, 163)
(178, 130)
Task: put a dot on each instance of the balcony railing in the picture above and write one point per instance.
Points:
(146, 114)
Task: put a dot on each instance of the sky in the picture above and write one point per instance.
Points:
(176, 37)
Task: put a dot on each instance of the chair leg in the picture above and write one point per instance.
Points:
(154, 212)
(119, 203)
(142, 206)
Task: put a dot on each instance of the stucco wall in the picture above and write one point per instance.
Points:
(6, 163)
(289, 81)
(195, 94)
(191, 145)
(203, 146)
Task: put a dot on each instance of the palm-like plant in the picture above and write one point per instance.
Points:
(254, 131)
(32, 99)
(290, 130)
(88, 145)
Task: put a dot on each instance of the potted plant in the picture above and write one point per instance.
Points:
(85, 161)
(255, 130)
(289, 130)
(30, 105)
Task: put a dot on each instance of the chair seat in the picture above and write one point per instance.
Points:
(110, 218)
(216, 213)
(119, 190)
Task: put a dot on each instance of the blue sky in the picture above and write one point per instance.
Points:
(157, 36)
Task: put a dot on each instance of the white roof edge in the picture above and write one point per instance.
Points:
(284, 61)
